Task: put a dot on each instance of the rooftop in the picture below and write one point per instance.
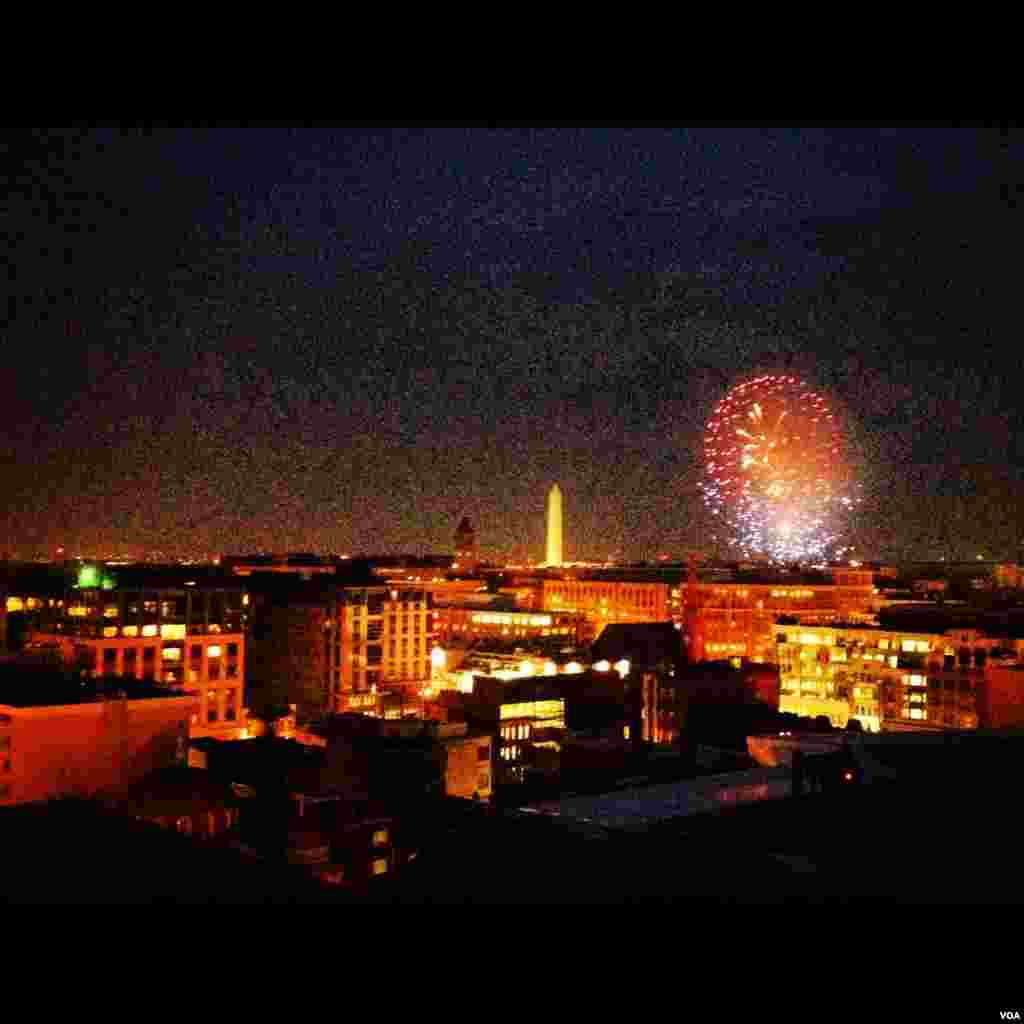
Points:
(33, 687)
(57, 578)
(644, 643)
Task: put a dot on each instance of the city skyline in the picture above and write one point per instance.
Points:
(345, 339)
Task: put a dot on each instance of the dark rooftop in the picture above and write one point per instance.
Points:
(643, 643)
(56, 578)
(43, 686)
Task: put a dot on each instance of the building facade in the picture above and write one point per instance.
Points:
(99, 745)
(736, 618)
(896, 680)
(324, 646)
(606, 601)
(455, 624)
(187, 634)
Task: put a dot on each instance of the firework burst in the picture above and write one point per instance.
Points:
(774, 470)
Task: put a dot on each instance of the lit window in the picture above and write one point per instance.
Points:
(380, 837)
(213, 651)
(149, 630)
(380, 866)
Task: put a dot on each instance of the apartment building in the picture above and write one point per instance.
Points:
(180, 627)
(894, 680)
(327, 646)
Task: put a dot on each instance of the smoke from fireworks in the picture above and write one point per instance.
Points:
(774, 470)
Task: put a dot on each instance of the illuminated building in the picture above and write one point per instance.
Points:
(892, 680)
(554, 526)
(603, 600)
(735, 617)
(324, 646)
(462, 625)
(181, 628)
(721, 613)
(61, 739)
(527, 717)
(466, 559)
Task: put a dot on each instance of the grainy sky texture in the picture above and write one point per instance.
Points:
(334, 338)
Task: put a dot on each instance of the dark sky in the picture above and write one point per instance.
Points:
(224, 338)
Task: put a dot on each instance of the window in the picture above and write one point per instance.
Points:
(380, 837)
(211, 705)
(184, 825)
(230, 705)
(483, 753)
(213, 670)
(380, 866)
(109, 660)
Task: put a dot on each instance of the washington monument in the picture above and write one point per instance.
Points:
(554, 526)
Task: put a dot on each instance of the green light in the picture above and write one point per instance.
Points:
(88, 576)
(107, 582)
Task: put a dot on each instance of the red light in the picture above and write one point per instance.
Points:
(848, 776)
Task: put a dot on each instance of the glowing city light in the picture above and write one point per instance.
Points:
(774, 471)
(602, 666)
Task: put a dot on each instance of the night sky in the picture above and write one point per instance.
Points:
(331, 338)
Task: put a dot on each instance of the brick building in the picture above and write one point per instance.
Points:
(65, 737)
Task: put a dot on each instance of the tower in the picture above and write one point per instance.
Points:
(465, 545)
(554, 526)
